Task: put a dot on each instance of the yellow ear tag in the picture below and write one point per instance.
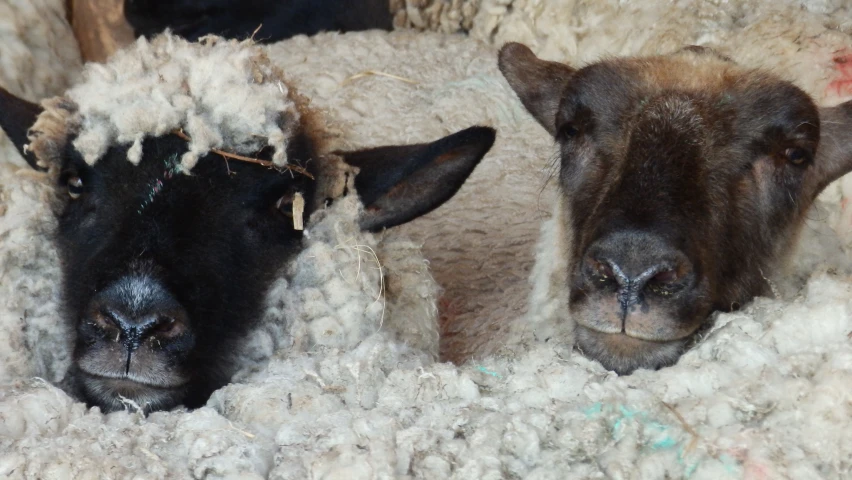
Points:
(298, 211)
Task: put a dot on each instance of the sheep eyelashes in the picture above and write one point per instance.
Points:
(683, 179)
(165, 270)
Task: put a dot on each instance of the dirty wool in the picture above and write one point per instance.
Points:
(340, 381)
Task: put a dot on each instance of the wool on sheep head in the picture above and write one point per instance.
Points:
(170, 238)
(685, 180)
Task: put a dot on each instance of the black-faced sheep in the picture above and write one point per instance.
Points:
(685, 180)
(165, 269)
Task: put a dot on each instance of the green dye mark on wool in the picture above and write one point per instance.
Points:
(594, 410)
(626, 414)
(664, 444)
(688, 469)
(731, 464)
(488, 372)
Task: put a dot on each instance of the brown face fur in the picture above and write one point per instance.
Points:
(684, 180)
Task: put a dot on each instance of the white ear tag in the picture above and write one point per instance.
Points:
(298, 211)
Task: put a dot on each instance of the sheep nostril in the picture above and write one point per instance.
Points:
(601, 271)
(605, 270)
(107, 322)
(666, 277)
(669, 281)
(166, 327)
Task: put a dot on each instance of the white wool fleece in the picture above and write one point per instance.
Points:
(343, 287)
(223, 94)
(765, 395)
(38, 58)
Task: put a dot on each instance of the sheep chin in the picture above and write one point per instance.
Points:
(117, 394)
(625, 354)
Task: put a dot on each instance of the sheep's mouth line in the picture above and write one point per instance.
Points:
(134, 381)
(621, 334)
(626, 336)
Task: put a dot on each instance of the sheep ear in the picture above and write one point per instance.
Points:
(397, 184)
(834, 154)
(16, 117)
(538, 83)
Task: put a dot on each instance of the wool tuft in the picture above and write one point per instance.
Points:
(224, 94)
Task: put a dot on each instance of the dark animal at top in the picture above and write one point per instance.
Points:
(165, 272)
(684, 180)
(281, 19)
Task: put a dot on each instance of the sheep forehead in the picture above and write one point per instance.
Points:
(706, 74)
(691, 72)
(699, 92)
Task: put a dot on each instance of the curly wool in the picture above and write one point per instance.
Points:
(343, 287)
(764, 394)
(38, 58)
(445, 16)
(221, 93)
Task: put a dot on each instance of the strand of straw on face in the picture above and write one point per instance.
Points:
(234, 156)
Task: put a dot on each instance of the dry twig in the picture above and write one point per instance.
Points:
(265, 163)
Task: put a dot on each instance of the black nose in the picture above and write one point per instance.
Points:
(136, 308)
(134, 329)
(636, 264)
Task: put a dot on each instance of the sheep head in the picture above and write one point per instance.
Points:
(167, 257)
(684, 180)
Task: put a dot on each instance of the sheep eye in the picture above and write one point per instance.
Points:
(796, 156)
(75, 187)
(284, 205)
(568, 130)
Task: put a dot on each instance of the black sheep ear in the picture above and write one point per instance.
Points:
(16, 117)
(397, 184)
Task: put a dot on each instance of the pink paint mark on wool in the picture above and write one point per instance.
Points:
(841, 86)
(844, 223)
(756, 472)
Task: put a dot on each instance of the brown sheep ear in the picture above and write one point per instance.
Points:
(397, 184)
(16, 117)
(834, 154)
(538, 83)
